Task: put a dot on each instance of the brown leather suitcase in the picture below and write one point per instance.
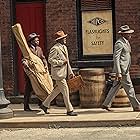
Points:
(75, 83)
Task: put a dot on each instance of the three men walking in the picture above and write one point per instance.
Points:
(61, 71)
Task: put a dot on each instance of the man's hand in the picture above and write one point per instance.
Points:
(71, 76)
(65, 62)
(46, 68)
(118, 77)
(25, 63)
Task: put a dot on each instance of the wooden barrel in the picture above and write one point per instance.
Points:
(121, 99)
(136, 84)
(92, 94)
(74, 96)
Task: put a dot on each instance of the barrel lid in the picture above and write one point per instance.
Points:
(93, 69)
(75, 69)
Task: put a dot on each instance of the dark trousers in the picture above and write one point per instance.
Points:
(27, 94)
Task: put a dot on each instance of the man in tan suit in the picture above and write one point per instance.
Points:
(122, 61)
(60, 71)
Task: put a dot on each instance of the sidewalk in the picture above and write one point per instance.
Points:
(58, 119)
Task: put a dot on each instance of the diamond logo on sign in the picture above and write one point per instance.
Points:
(97, 21)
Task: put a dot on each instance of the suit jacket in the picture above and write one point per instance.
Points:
(57, 56)
(122, 57)
(38, 51)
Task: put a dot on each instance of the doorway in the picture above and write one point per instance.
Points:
(31, 16)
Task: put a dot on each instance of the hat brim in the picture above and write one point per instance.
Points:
(61, 37)
(126, 32)
(33, 37)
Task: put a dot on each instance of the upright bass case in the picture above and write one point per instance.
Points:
(41, 81)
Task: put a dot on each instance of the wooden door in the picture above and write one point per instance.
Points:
(31, 16)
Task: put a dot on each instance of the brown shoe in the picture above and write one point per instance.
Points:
(44, 108)
(136, 109)
(27, 108)
(105, 107)
(71, 113)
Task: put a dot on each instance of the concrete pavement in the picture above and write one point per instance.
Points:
(58, 118)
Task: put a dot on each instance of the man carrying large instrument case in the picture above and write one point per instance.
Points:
(35, 67)
(33, 43)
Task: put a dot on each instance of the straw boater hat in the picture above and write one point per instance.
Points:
(32, 36)
(59, 35)
(125, 29)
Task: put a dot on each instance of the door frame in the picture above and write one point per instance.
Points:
(15, 50)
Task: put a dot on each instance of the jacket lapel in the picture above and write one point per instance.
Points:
(62, 48)
(33, 51)
(126, 43)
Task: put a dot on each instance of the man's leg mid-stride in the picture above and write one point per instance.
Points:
(113, 91)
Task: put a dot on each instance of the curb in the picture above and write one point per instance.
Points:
(71, 124)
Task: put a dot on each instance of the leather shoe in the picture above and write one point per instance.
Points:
(105, 107)
(136, 109)
(27, 109)
(71, 113)
(44, 108)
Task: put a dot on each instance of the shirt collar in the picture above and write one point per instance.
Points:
(125, 40)
(32, 46)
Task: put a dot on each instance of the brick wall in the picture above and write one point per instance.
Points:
(128, 12)
(7, 59)
(62, 15)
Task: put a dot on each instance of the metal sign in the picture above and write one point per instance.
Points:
(97, 32)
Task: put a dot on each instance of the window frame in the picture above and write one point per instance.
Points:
(94, 60)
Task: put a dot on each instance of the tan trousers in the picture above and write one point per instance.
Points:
(61, 87)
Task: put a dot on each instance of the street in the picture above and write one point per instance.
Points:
(90, 133)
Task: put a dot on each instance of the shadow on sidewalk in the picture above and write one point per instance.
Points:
(103, 111)
(91, 111)
(22, 113)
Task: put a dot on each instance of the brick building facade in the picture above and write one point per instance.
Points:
(7, 47)
(63, 14)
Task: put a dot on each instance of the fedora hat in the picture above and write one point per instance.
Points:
(59, 35)
(32, 36)
(125, 29)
